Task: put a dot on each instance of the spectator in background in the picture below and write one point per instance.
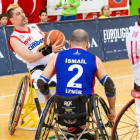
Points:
(105, 12)
(69, 9)
(43, 16)
(3, 19)
(26, 18)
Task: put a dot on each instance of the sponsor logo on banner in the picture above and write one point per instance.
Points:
(1, 55)
(117, 3)
(115, 35)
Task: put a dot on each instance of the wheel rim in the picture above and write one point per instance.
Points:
(126, 124)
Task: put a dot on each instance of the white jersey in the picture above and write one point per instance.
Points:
(133, 48)
(34, 40)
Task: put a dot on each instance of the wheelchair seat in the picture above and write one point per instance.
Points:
(71, 111)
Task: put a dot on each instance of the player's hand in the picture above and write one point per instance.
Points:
(112, 114)
(55, 47)
(66, 6)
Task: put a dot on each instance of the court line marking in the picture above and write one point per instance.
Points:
(96, 81)
(7, 96)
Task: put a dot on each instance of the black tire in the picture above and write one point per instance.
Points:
(45, 121)
(18, 104)
(126, 123)
(101, 109)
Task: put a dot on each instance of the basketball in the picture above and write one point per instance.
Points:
(55, 35)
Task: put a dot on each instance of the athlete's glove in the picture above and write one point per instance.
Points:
(48, 50)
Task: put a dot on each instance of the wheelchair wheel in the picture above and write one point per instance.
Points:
(18, 104)
(45, 121)
(126, 123)
(101, 109)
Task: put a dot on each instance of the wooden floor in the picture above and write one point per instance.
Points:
(120, 71)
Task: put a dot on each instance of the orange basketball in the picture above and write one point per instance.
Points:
(55, 35)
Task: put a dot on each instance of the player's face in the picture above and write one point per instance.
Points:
(18, 17)
(43, 17)
(3, 21)
(106, 11)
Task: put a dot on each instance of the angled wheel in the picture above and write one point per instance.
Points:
(45, 121)
(18, 104)
(126, 123)
(101, 109)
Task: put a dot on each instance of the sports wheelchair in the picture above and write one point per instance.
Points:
(80, 112)
(24, 107)
(127, 122)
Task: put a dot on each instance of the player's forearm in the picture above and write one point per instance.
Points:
(111, 102)
(32, 57)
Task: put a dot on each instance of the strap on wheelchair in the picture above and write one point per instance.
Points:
(39, 67)
(73, 116)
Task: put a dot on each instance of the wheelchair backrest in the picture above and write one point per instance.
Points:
(72, 111)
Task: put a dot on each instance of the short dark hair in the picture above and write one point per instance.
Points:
(43, 11)
(79, 36)
(2, 15)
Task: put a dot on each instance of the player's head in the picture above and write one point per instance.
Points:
(43, 16)
(105, 10)
(16, 15)
(79, 38)
(3, 19)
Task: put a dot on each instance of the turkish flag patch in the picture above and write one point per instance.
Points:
(117, 3)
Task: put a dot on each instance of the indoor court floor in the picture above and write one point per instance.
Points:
(120, 71)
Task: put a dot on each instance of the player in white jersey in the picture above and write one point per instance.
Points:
(27, 42)
(133, 48)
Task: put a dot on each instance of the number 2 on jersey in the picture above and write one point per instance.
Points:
(133, 52)
(71, 82)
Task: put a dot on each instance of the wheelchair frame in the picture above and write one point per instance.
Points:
(31, 104)
(46, 122)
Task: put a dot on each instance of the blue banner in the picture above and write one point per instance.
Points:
(68, 27)
(5, 62)
(107, 40)
(17, 65)
(113, 34)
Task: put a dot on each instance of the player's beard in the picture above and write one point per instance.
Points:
(23, 22)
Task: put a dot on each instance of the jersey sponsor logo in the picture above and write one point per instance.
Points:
(79, 61)
(77, 53)
(1, 55)
(115, 35)
(67, 103)
(35, 43)
(28, 40)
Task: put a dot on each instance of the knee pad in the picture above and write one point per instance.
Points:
(43, 86)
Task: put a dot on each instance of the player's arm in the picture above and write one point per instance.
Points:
(47, 74)
(22, 50)
(109, 86)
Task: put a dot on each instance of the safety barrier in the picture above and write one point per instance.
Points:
(107, 40)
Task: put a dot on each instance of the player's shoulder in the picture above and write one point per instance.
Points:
(33, 26)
